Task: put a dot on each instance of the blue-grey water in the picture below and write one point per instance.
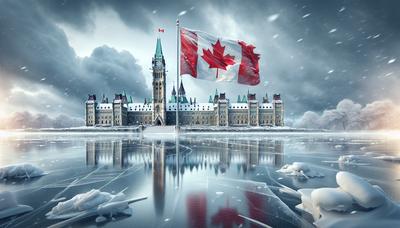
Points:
(208, 180)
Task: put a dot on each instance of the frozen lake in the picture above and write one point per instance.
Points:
(213, 180)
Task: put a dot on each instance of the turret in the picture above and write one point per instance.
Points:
(90, 110)
(278, 110)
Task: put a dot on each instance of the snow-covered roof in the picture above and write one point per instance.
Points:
(104, 106)
(191, 107)
(139, 107)
(266, 106)
(238, 106)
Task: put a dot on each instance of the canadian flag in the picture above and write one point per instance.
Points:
(204, 56)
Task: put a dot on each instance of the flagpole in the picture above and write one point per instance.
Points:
(177, 73)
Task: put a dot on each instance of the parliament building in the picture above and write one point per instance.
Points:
(218, 111)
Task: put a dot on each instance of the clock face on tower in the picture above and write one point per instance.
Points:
(158, 65)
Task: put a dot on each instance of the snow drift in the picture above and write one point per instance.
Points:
(20, 171)
(9, 206)
(354, 202)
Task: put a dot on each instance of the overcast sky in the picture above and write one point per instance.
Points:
(315, 53)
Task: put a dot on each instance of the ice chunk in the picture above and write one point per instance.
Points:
(331, 199)
(90, 204)
(10, 207)
(363, 193)
(79, 203)
(332, 207)
(101, 219)
(299, 169)
(338, 146)
(20, 171)
(388, 158)
(348, 159)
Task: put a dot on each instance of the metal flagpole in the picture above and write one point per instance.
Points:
(177, 73)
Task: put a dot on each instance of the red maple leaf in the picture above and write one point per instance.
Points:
(216, 58)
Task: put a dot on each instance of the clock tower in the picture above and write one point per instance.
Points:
(159, 98)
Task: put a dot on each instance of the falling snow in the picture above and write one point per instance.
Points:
(273, 17)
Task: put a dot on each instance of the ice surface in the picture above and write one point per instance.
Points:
(20, 171)
(363, 193)
(343, 206)
(299, 169)
(10, 207)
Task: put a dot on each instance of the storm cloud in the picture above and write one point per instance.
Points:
(314, 53)
(41, 72)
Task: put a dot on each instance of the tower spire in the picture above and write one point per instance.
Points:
(159, 53)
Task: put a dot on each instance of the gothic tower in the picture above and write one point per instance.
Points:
(159, 98)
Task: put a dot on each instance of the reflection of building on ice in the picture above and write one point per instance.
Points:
(158, 153)
(243, 153)
(105, 153)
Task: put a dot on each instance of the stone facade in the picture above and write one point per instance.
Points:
(218, 111)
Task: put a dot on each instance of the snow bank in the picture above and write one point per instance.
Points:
(20, 171)
(10, 207)
(299, 169)
(354, 202)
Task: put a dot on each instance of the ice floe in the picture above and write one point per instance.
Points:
(20, 171)
(92, 203)
(383, 157)
(299, 169)
(348, 159)
(355, 202)
(9, 206)
(388, 158)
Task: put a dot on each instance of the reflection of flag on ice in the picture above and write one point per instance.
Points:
(207, 57)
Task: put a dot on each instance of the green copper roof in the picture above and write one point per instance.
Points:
(172, 99)
(210, 100)
(244, 100)
(183, 100)
(239, 100)
(159, 53)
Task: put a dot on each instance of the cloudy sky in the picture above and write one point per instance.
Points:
(315, 53)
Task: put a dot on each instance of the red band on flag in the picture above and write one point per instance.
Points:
(189, 52)
(249, 72)
(161, 30)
